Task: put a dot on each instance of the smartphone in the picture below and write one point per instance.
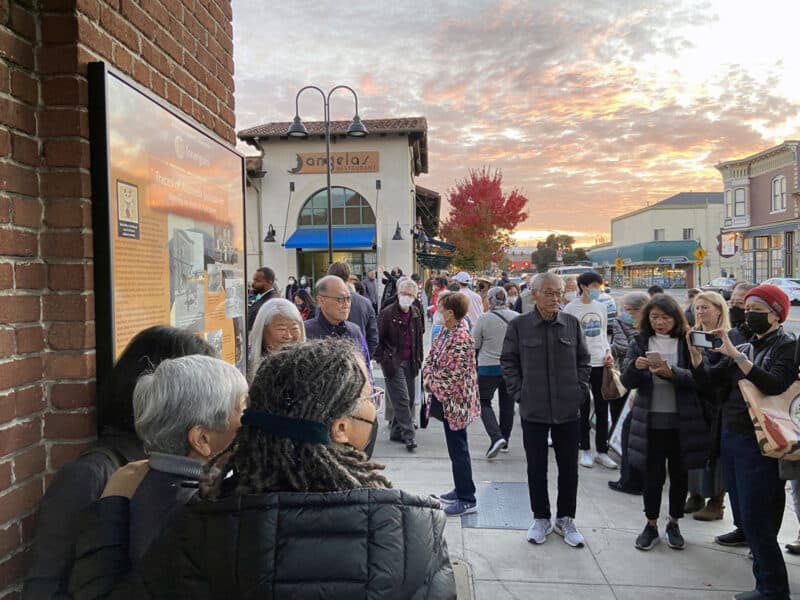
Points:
(654, 358)
(701, 339)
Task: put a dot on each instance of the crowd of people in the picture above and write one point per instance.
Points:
(206, 482)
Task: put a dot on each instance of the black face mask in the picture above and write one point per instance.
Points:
(737, 315)
(758, 322)
(373, 436)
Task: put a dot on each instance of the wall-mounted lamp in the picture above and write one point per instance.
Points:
(270, 237)
(398, 235)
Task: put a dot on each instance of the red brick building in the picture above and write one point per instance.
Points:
(182, 50)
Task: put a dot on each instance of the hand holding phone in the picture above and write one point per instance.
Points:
(654, 358)
(701, 339)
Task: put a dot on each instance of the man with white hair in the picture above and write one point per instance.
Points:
(462, 278)
(400, 350)
(545, 363)
(186, 411)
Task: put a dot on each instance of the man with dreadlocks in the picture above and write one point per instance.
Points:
(299, 510)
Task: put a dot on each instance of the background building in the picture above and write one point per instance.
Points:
(761, 211)
(657, 243)
(378, 210)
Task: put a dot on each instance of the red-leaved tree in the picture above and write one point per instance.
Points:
(482, 218)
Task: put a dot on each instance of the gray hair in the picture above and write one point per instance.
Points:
(407, 282)
(322, 284)
(181, 393)
(497, 297)
(270, 310)
(542, 278)
(636, 300)
(744, 285)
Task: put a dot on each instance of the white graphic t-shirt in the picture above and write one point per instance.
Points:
(594, 322)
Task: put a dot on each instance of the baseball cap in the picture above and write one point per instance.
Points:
(461, 277)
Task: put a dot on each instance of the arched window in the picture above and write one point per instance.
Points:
(349, 208)
(779, 194)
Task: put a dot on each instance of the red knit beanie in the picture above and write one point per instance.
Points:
(774, 296)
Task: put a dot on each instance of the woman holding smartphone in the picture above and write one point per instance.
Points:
(668, 431)
(711, 313)
(754, 484)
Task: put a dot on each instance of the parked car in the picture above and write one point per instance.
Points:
(790, 286)
(721, 285)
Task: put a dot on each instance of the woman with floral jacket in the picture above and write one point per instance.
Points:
(451, 376)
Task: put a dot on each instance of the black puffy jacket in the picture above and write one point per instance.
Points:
(368, 544)
(694, 429)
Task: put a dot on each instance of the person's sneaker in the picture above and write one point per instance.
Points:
(538, 532)
(793, 547)
(495, 448)
(732, 538)
(549, 439)
(504, 449)
(586, 459)
(648, 539)
(411, 445)
(751, 595)
(565, 527)
(694, 503)
(605, 460)
(674, 538)
(448, 498)
(618, 486)
(459, 508)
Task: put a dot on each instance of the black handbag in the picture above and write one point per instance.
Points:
(436, 410)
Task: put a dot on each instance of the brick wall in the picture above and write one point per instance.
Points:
(180, 49)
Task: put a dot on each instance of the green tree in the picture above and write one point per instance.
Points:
(546, 252)
(482, 218)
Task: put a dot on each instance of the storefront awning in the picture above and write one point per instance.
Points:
(441, 244)
(316, 238)
(672, 252)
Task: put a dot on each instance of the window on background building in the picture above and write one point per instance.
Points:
(658, 235)
(779, 194)
(739, 202)
(348, 208)
(688, 233)
(776, 263)
(729, 204)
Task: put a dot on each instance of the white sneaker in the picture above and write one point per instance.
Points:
(549, 440)
(605, 460)
(586, 459)
(538, 532)
(565, 527)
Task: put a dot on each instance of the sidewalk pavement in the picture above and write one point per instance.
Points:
(495, 563)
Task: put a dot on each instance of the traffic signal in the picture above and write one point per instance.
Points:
(525, 264)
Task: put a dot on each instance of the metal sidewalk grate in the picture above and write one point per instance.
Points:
(501, 505)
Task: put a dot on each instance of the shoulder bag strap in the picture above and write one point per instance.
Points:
(499, 316)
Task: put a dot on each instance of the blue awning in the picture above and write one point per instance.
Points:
(316, 238)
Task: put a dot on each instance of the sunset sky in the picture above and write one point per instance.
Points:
(591, 108)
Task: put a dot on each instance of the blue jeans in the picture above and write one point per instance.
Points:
(458, 449)
(758, 492)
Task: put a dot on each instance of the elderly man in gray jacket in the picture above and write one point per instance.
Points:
(546, 367)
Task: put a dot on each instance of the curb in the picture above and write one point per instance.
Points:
(465, 587)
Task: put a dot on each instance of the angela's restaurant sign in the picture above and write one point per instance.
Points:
(341, 162)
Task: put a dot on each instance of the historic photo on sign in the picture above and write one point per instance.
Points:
(127, 210)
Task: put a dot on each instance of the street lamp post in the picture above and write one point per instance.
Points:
(298, 130)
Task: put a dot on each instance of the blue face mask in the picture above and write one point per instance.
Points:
(626, 318)
(594, 294)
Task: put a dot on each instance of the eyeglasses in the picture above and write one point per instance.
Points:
(550, 293)
(341, 300)
(363, 420)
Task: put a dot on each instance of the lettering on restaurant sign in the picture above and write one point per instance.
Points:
(341, 162)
